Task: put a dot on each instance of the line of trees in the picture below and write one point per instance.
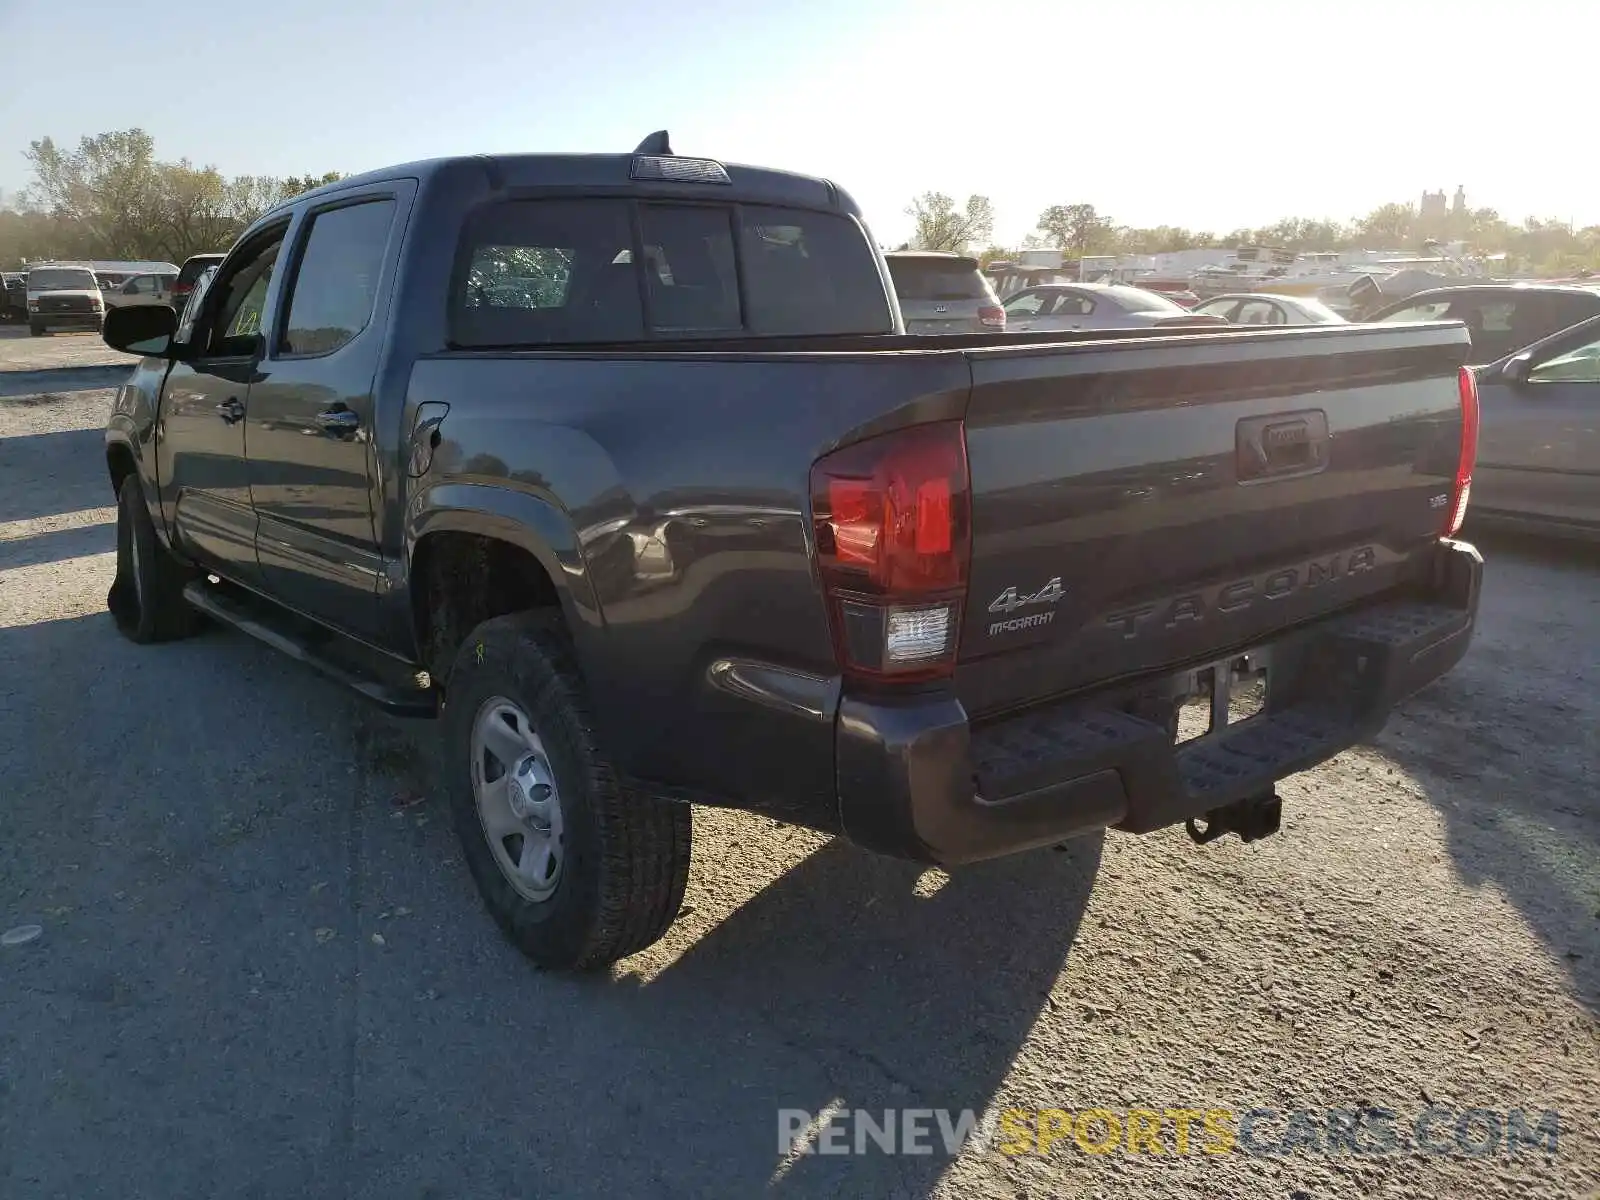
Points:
(110, 197)
(1546, 246)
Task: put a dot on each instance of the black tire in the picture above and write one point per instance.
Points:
(625, 855)
(35, 329)
(146, 597)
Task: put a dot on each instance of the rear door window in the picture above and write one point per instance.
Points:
(1027, 304)
(1259, 312)
(336, 283)
(1432, 310)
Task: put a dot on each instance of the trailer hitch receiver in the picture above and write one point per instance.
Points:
(1252, 818)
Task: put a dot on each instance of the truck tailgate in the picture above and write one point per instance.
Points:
(1145, 504)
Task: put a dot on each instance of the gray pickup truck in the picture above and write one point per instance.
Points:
(624, 467)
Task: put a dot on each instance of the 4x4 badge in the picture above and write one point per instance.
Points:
(1011, 599)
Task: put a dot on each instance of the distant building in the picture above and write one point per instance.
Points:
(1433, 205)
(1459, 206)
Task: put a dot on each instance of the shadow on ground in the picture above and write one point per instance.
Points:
(265, 972)
(50, 473)
(1506, 747)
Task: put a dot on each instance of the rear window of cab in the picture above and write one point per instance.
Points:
(553, 272)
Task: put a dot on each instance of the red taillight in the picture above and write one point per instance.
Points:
(1462, 492)
(992, 315)
(892, 517)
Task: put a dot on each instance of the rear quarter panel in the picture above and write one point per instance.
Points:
(685, 481)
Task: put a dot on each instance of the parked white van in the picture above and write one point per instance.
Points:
(63, 296)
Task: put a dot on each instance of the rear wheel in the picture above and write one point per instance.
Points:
(146, 597)
(578, 870)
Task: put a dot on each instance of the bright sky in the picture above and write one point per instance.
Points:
(1212, 114)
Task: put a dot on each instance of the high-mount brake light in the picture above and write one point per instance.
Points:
(679, 170)
(1461, 492)
(893, 533)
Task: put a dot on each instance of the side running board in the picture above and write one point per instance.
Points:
(387, 686)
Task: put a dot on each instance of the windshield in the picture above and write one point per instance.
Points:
(62, 279)
(1132, 299)
(938, 279)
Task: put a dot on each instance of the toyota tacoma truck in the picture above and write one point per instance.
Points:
(623, 467)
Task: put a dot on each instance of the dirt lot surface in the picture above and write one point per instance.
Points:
(262, 970)
(20, 352)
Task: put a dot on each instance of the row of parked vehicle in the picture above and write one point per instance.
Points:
(76, 295)
(1535, 353)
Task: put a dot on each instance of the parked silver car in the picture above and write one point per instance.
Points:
(1262, 308)
(944, 293)
(1059, 306)
(141, 289)
(1539, 440)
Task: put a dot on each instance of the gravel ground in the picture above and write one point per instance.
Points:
(21, 352)
(263, 970)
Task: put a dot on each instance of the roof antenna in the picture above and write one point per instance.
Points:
(656, 144)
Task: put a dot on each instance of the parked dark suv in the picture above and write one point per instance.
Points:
(944, 293)
(13, 296)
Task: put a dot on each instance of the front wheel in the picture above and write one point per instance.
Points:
(35, 329)
(578, 870)
(146, 596)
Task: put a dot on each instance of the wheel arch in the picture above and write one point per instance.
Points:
(477, 551)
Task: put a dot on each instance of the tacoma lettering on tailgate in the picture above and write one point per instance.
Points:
(1194, 607)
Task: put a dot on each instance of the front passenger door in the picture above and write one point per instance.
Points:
(200, 460)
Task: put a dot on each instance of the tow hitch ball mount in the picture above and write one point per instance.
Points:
(1252, 818)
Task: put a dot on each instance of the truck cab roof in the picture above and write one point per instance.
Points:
(689, 176)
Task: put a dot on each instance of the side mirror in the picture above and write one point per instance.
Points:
(140, 329)
(1516, 370)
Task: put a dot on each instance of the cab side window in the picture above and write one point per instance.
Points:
(1027, 304)
(231, 323)
(336, 284)
(1581, 365)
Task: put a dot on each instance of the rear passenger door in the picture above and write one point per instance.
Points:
(310, 438)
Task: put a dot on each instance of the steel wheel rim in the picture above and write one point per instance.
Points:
(517, 799)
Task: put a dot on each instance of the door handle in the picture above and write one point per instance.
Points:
(231, 410)
(339, 420)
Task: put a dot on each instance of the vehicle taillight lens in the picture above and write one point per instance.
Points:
(893, 525)
(992, 315)
(1462, 492)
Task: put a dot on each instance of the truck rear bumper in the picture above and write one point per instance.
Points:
(917, 780)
